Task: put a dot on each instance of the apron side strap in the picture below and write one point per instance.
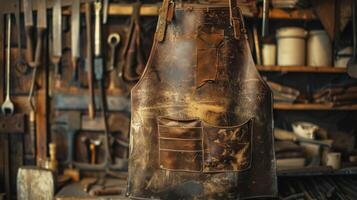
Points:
(166, 14)
(236, 19)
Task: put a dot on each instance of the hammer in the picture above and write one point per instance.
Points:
(93, 144)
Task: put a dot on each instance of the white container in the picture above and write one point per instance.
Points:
(291, 46)
(333, 159)
(341, 59)
(305, 129)
(319, 49)
(269, 54)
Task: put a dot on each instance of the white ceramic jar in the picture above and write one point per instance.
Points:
(269, 54)
(291, 46)
(319, 49)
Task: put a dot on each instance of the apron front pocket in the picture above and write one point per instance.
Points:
(227, 148)
(180, 144)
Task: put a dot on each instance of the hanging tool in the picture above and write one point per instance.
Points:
(29, 26)
(115, 79)
(99, 75)
(132, 60)
(20, 63)
(32, 134)
(105, 11)
(8, 107)
(97, 34)
(75, 41)
(93, 144)
(257, 46)
(57, 36)
(113, 42)
(72, 123)
(265, 20)
(41, 28)
(352, 64)
(29, 56)
(89, 60)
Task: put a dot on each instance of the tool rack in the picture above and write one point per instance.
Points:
(151, 10)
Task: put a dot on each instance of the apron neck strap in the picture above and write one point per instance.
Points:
(166, 13)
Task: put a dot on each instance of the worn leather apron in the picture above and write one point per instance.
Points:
(201, 115)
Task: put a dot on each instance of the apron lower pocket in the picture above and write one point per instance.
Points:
(227, 148)
(195, 146)
(180, 144)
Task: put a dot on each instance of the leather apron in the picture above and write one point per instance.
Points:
(201, 124)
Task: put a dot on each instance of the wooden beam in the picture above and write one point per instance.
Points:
(307, 69)
(300, 14)
(312, 106)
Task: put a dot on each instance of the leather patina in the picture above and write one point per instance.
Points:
(201, 123)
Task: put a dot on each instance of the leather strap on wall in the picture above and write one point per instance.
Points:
(166, 14)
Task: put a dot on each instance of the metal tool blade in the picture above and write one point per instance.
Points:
(42, 14)
(75, 32)
(105, 11)
(97, 33)
(265, 21)
(42, 188)
(20, 63)
(75, 40)
(29, 30)
(98, 60)
(28, 12)
(57, 28)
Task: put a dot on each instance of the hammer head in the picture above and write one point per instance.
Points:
(35, 183)
(96, 142)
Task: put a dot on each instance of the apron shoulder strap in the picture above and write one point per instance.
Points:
(236, 19)
(166, 13)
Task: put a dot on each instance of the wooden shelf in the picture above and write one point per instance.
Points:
(116, 9)
(316, 171)
(301, 69)
(122, 9)
(153, 10)
(296, 14)
(312, 106)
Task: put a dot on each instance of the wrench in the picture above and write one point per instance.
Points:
(8, 107)
(113, 42)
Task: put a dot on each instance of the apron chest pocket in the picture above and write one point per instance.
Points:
(195, 146)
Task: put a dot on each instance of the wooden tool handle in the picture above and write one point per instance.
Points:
(29, 44)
